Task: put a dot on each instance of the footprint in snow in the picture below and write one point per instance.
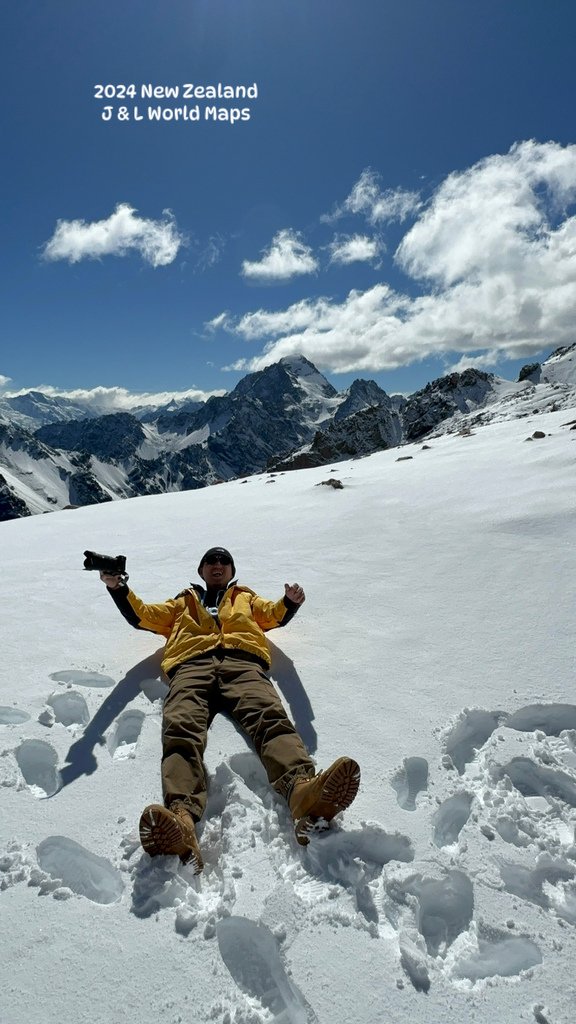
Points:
(154, 689)
(443, 907)
(533, 779)
(503, 956)
(69, 708)
(450, 818)
(37, 761)
(474, 727)
(470, 733)
(124, 737)
(13, 716)
(78, 869)
(551, 719)
(528, 884)
(78, 677)
(252, 956)
(409, 781)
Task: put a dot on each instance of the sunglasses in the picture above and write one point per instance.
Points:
(218, 559)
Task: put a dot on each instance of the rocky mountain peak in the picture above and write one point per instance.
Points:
(285, 379)
(362, 394)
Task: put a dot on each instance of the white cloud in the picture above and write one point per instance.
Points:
(104, 400)
(157, 241)
(345, 249)
(376, 205)
(4, 380)
(494, 218)
(495, 255)
(484, 362)
(217, 323)
(287, 257)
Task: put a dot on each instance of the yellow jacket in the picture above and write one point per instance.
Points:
(191, 630)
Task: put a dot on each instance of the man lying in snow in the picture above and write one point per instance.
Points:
(216, 658)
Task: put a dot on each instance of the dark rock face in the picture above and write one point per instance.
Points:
(531, 372)
(362, 394)
(116, 436)
(563, 351)
(457, 392)
(11, 506)
(85, 489)
(17, 439)
(365, 432)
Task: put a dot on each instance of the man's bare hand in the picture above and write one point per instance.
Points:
(294, 592)
(111, 579)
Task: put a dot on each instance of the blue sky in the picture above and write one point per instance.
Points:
(400, 202)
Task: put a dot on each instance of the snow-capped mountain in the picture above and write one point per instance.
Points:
(283, 417)
(268, 413)
(34, 409)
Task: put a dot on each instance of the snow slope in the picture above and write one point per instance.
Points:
(435, 646)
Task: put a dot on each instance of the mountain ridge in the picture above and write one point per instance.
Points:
(286, 416)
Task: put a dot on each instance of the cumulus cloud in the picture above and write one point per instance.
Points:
(4, 380)
(377, 205)
(494, 257)
(103, 400)
(345, 249)
(123, 232)
(484, 362)
(288, 256)
(497, 217)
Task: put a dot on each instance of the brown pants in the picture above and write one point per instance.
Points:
(198, 691)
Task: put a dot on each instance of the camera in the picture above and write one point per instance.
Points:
(105, 563)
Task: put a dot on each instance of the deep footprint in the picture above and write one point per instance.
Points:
(528, 883)
(124, 737)
(347, 857)
(505, 957)
(549, 718)
(13, 716)
(80, 678)
(445, 907)
(409, 781)
(80, 870)
(37, 761)
(154, 689)
(69, 708)
(470, 734)
(251, 954)
(533, 779)
(450, 818)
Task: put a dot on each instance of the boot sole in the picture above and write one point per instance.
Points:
(338, 792)
(161, 835)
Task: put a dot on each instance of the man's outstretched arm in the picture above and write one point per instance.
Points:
(269, 614)
(155, 618)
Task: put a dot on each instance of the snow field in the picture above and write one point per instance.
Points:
(435, 646)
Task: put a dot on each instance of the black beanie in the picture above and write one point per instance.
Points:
(216, 551)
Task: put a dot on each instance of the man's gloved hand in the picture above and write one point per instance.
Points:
(294, 592)
(111, 579)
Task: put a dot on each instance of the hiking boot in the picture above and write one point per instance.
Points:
(314, 802)
(170, 831)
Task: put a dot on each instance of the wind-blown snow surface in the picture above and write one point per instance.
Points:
(435, 646)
